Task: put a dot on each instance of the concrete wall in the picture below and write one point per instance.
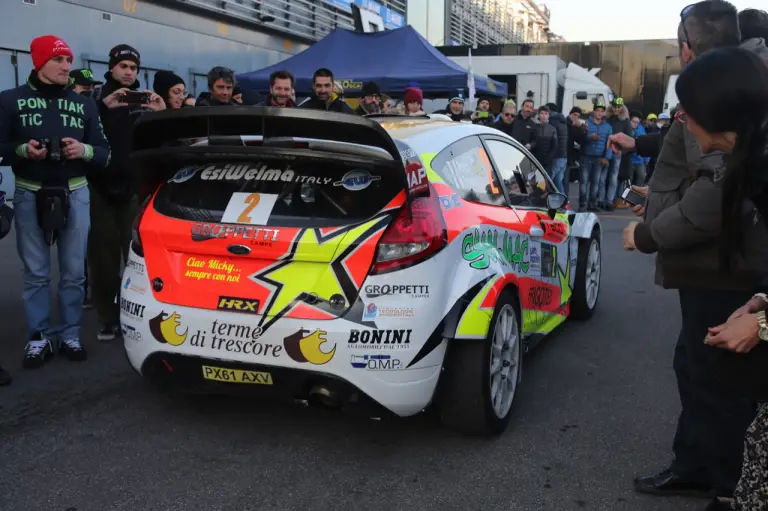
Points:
(168, 39)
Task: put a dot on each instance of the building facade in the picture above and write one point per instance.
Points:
(188, 37)
(480, 22)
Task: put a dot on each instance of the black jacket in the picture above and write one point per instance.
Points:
(205, 99)
(546, 144)
(506, 128)
(524, 130)
(576, 136)
(337, 106)
(43, 111)
(118, 181)
(557, 121)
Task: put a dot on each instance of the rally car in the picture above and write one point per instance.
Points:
(406, 261)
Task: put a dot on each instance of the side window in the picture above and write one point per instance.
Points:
(466, 167)
(525, 182)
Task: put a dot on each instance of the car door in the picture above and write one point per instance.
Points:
(466, 167)
(547, 289)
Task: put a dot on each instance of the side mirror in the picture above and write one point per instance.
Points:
(556, 201)
(581, 95)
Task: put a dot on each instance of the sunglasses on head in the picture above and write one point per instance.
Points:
(707, 7)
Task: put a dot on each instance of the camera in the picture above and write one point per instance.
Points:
(54, 148)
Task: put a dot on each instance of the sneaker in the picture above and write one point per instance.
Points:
(73, 350)
(109, 332)
(5, 378)
(37, 352)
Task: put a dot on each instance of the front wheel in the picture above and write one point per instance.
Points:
(481, 376)
(587, 283)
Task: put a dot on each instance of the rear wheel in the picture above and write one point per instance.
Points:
(481, 377)
(587, 284)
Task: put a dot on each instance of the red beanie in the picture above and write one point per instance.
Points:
(413, 94)
(45, 47)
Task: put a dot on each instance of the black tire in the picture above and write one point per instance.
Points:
(464, 401)
(580, 305)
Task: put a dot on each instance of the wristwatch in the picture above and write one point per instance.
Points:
(762, 326)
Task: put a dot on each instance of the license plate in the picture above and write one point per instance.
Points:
(236, 375)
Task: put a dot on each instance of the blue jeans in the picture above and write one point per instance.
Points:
(36, 256)
(559, 166)
(611, 174)
(589, 175)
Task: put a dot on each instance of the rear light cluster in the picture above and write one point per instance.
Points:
(136, 244)
(410, 240)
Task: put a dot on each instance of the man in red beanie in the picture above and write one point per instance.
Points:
(51, 137)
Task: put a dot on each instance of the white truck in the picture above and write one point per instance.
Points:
(670, 97)
(543, 78)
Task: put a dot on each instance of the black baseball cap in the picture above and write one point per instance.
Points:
(83, 77)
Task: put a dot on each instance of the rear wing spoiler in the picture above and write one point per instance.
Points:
(157, 130)
(161, 135)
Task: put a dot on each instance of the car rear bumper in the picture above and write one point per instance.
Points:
(157, 355)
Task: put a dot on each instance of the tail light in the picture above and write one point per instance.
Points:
(136, 244)
(414, 238)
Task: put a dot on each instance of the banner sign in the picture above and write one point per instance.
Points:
(391, 18)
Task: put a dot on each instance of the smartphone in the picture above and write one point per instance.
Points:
(133, 97)
(632, 197)
(482, 114)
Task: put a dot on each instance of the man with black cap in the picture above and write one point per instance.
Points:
(455, 108)
(370, 99)
(113, 192)
(83, 80)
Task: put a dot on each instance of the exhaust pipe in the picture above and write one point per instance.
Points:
(325, 396)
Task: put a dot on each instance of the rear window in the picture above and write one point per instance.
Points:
(278, 192)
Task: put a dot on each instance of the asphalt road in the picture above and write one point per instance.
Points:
(597, 406)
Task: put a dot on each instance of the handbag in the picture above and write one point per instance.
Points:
(52, 210)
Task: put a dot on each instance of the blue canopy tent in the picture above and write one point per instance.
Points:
(392, 59)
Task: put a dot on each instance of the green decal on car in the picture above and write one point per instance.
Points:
(482, 248)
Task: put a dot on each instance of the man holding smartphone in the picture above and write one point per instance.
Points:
(113, 192)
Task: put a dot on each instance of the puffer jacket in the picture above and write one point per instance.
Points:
(683, 216)
(546, 144)
(557, 121)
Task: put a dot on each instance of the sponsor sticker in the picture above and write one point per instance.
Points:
(412, 290)
(135, 266)
(233, 304)
(211, 269)
(373, 311)
(132, 308)
(450, 201)
(376, 362)
(390, 339)
(131, 333)
(417, 177)
(169, 328)
(356, 180)
(249, 208)
(256, 235)
(130, 286)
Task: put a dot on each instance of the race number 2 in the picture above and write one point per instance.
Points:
(249, 208)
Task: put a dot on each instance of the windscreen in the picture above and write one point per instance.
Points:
(279, 192)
